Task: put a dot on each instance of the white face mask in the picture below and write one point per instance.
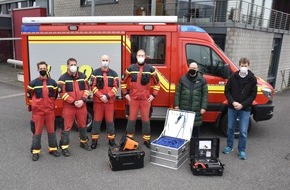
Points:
(243, 71)
(73, 68)
(105, 64)
(141, 60)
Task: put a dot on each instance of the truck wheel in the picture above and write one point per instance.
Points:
(224, 126)
(89, 123)
(58, 123)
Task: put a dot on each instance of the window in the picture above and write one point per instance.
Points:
(154, 46)
(208, 61)
(97, 2)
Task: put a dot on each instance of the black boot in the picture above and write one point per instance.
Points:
(94, 144)
(85, 146)
(65, 152)
(112, 142)
(35, 157)
(55, 153)
(52, 143)
(147, 144)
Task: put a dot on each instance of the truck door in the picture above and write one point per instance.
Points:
(212, 66)
(157, 48)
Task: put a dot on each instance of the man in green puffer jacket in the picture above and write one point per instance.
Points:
(191, 95)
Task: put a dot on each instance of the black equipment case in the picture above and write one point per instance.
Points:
(204, 157)
(124, 160)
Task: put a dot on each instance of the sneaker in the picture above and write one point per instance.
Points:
(242, 155)
(147, 144)
(55, 153)
(112, 142)
(35, 157)
(94, 144)
(227, 150)
(65, 152)
(85, 146)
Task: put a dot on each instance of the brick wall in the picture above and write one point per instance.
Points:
(254, 45)
(73, 8)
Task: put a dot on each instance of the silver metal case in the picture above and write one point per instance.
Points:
(179, 125)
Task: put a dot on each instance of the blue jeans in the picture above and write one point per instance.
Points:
(196, 131)
(244, 118)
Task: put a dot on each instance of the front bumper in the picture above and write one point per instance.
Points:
(263, 112)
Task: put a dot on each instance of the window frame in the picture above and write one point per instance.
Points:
(213, 67)
(152, 61)
(86, 3)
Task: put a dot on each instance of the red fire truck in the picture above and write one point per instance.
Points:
(170, 47)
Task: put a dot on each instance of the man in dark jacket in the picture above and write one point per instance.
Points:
(191, 95)
(240, 91)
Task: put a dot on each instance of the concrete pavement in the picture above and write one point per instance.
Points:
(8, 74)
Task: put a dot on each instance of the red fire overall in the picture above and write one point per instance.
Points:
(104, 82)
(42, 93)
(71, 89)
(137, 82)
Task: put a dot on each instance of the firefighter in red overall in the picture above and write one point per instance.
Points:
(42, 93)
(136, 87)
(74, 90)
(105, 84)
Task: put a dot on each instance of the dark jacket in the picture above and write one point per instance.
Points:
(42, 94)
(104, 83)
(140, 82)
(191, 95)
(72, 88)
(242, 90)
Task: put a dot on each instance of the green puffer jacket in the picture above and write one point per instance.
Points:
(191, 95)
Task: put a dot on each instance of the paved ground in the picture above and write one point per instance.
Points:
(267, 166)
(8, 74)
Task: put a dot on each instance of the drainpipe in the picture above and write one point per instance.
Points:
(153, 7)
(189, 11)
(93, 8)
(51, 8)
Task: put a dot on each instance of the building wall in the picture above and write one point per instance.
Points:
(73, 8)
(6, 51)
(284, 65)
(254, 45)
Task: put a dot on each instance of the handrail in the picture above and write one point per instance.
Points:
(227, 13)
(285, 83)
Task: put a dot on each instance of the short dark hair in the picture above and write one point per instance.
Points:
(244, 60)
(70, 59)
(41, 63)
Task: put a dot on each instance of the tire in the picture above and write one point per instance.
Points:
(90, 119)
(58, 123)
(89, 123)
(224, 126)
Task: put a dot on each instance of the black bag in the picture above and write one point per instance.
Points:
(124, 160)
(204, 157)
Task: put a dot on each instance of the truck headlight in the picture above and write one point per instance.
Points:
(268, 93)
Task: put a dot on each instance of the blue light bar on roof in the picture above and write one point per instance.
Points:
(30, 28)
(190, 28)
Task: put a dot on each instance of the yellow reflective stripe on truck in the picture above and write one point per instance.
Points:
(127, 44)
(164, 83)
(219, 89)
(75, 38)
